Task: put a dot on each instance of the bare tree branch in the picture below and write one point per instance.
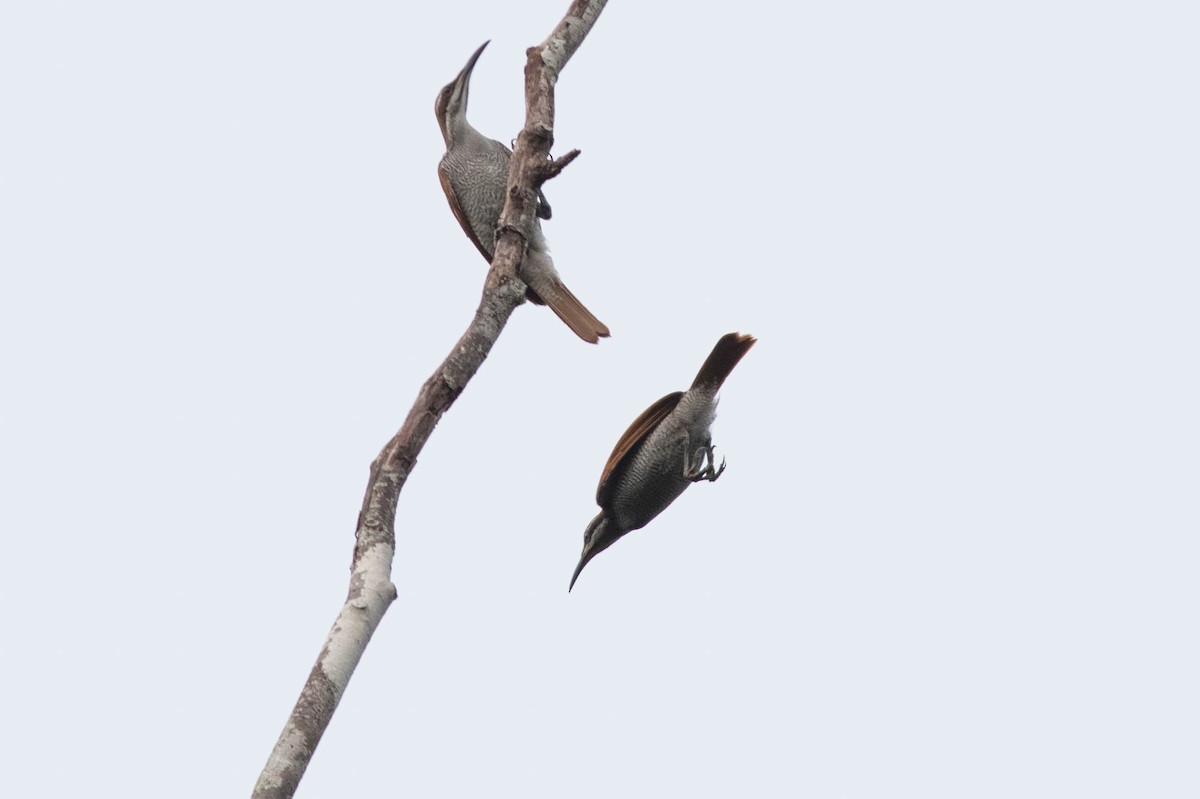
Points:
(371, 589)
(553, 169)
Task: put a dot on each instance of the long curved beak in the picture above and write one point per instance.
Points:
(583, 561)
(463, 80)
(596, 538)
(451, 104)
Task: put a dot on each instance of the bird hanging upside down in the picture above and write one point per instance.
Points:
(664, 451)
(474, 175)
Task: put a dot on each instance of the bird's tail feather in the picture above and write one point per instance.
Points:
(720, 362)
(552, 292)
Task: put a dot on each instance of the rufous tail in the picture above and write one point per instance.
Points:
(720, 362)
(568, 308)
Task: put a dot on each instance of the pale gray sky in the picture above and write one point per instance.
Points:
(955, 550)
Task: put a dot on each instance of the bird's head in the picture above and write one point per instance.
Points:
(451, 104)
(600, 534)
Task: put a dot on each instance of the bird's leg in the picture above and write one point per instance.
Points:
(710, 474)
(694, 467)
(543, 206)
(692, 471)
(719, 471)
(700, 471)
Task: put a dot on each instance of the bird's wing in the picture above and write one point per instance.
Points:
(459, 215)
(636, 434)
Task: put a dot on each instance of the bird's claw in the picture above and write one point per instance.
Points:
(698, 470)
(718, 472)
(543, 207)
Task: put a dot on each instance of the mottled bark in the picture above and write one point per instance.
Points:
(371, 588)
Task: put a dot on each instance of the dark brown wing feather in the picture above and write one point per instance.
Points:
(636, 434)
(459, 215)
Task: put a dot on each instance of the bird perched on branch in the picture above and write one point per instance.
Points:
(664, 451)
(474, 175)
